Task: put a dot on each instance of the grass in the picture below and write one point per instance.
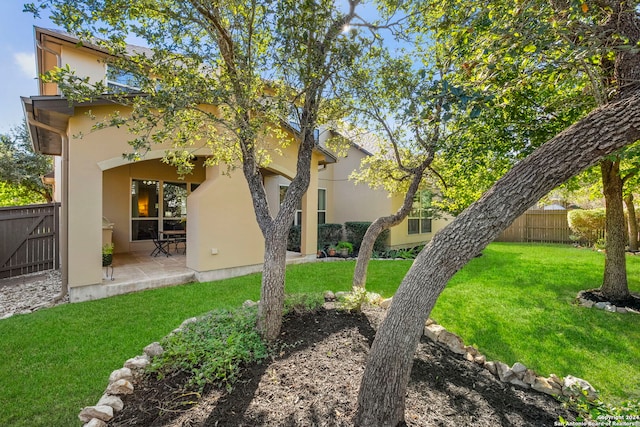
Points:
(513, 303)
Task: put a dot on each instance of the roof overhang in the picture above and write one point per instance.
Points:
(47, 119)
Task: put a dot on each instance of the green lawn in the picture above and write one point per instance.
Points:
(514, 303)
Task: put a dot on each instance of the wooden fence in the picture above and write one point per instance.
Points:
(538, 226)
(29, 239)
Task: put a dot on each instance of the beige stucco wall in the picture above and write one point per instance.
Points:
(347, 201)
(84, 63)
(220, 212)
(222, 231)
(399, 235)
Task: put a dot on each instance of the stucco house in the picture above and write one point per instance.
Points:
(94, 181)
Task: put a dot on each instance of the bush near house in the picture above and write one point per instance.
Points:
(355, 233)
(294, 238)
(329, 234)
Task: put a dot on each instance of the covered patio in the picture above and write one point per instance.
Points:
(137, 271)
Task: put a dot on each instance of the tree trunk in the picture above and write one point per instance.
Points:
(633, 222)
(614, 285)
(272, 289)
(382, 392)
(378, 226)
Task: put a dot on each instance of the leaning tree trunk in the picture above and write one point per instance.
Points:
(382, 393)
(614, 285)
(378, 226)
(633, 222)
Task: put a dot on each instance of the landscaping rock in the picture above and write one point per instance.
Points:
(469, 357)
(491, 367)
(504, 372)
(341, 294)
(472, 350)
(386, 303)
(114, 401)
(138, 362)
(611, 308)
(546, 386)
(529, 377)
(429, 321)
(154, 349)
(480, 359)
(95, 422)
(101, 412)
(517, 381)
(574, 386)
(452, 341)
(519, 369)
(329, 296)
(120, 374)
(189, 321)
(433, 331)
(120, 387)
(586, 303)
(556, 379)
(248, 304)
(600, 305)
(622, 310)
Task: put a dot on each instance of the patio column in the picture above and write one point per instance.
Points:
(309, 229)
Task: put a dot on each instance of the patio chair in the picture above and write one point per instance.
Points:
(161, 245)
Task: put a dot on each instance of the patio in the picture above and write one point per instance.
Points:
(137, 271)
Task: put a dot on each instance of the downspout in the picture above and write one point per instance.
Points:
(64, 214)
(58, 63)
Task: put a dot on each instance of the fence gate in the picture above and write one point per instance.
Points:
(29, 239)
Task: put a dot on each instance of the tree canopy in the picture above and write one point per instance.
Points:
(21, 170)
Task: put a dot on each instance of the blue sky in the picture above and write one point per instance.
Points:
(17, 68)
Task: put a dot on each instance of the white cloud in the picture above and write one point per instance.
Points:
(26, 62)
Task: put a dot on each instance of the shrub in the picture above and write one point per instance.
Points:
(355, 233)
(212, 349)
(587, 225)
(294, 239)
(329, 235)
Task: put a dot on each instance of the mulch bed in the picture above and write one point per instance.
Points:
(633, 302)
(314, 380)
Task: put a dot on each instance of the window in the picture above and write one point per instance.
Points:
(419, 220)
(322, 206)
(119, 80)
(157, 206)
(298, 219)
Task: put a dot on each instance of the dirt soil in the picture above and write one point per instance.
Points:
(314, 381)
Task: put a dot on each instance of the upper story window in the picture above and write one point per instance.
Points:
(119, 80)
(419, 220)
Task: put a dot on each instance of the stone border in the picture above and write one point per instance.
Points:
(605, 305)
(120, 380)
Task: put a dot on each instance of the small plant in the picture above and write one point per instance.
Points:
(353, 301)
(345, 248)
(212, 349)
(601, 412)
(107, 254)
(303, 303)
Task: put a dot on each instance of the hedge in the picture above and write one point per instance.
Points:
(355, 233)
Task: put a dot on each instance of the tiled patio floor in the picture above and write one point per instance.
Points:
(141, 267)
